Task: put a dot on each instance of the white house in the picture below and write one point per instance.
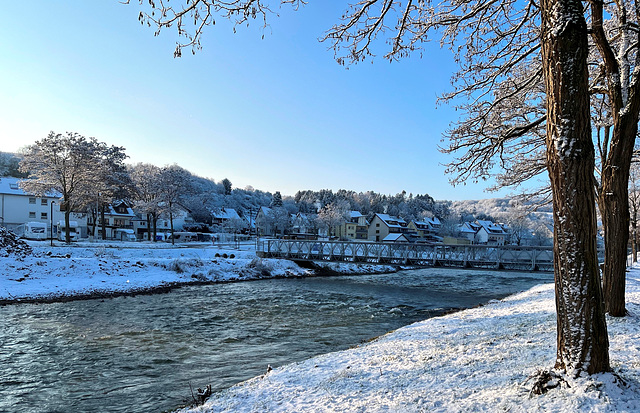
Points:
(18, 207)
(490, 233)
(468, 230)
(264, 221)
(484, 232)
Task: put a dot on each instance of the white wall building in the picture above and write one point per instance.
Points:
(18, 207)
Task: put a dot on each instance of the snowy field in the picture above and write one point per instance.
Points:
(86, 269)
(478, 360)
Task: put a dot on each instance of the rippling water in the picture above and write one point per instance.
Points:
(142, 353)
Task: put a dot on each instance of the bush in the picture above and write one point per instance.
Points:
(177, 266)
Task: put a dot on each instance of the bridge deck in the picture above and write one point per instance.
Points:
(468, 256)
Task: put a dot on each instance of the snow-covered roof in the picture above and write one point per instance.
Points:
(391, 221)
(226, 213)
(469, 227)
(395, 237)
(491, 227)
(355, 214)
(11, 186)
(427, 223)
(111, 210)
(265, 210)
(466, 229)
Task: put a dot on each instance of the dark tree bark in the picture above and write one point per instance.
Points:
(614, 195)
(582, 341)
(614, 198)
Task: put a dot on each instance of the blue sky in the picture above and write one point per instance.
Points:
(277, 113)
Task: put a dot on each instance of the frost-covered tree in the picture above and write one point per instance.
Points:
(280, 220)
(146, 194)
(516, 220)
(618, 81)
(10, 165)
(490, 39)
(67, 164)
(333, 215)
(174, 183)
(503, 125)
(112, 183)
(583, 344)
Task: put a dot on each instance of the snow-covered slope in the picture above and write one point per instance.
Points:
(475, 360)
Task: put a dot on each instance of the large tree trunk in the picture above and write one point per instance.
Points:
(582, 341)
(614, 198)
(624, 99)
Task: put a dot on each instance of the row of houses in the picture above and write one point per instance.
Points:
(18, 208)
(121, 222)
(381, 228)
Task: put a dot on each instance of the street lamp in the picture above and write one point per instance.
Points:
(51, 221)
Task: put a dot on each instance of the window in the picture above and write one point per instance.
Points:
(43, 215)
(43, 201)
(32, 200)
(32, 214)
(377, 225)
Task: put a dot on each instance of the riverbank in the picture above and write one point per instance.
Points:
(43, 273)
(481, 359)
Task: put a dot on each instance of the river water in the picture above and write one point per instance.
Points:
(141, 354)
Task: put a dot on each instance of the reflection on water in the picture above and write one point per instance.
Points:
(141, 353)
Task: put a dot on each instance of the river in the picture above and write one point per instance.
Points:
(142, 354)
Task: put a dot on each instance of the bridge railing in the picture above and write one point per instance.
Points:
(481, 256)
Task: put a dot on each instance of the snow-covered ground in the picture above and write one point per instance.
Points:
(475, 360)
(86, 269)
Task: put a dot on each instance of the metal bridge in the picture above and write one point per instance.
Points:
(507, 257)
